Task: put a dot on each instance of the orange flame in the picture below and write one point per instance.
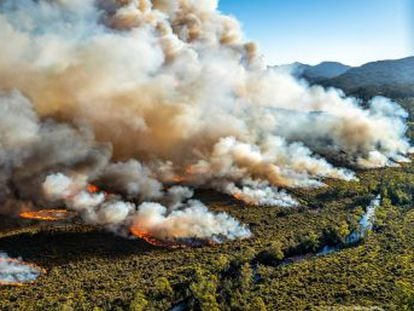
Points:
(95, 189)
(92, 188)
(47, 215)
(238, 196)
(185, 177)
(146, 236)
(178, 179)
(20, 262)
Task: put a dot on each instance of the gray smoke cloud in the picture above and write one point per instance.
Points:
(151, 99)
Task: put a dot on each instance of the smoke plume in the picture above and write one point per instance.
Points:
(16, 271)
(366, 224)
(153, 98)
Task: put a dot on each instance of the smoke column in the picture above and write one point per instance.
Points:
(141, 96)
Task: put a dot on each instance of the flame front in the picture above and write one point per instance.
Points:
(146, 236)
(92, 188)
(238, 196)
(185, 176)
(47, 215)
(177, 94)
(178, 179)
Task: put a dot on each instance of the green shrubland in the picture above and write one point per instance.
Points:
(89, 269)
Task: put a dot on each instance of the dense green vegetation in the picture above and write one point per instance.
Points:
(93, 270)
(89, 269)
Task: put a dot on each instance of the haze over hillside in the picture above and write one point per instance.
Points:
(320, 72)
(394, 78)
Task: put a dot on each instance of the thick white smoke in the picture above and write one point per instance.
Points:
(193, 221)
(142, 95)
(182, 220)
(15, 271)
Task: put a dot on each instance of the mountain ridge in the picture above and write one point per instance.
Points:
(394, 78)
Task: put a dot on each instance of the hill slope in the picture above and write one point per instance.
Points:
(318, 73)
(394, 78)
(325, 70)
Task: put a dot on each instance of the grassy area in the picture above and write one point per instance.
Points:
(88, 268)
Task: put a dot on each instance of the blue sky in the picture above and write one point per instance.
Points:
(311, 31)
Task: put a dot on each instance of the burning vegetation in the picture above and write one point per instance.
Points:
(48, 214)
(136, 232)
(127, 104)
(156, 98)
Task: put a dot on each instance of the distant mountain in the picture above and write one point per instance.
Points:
(393, 78)
(318, 73)
(325, 70)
